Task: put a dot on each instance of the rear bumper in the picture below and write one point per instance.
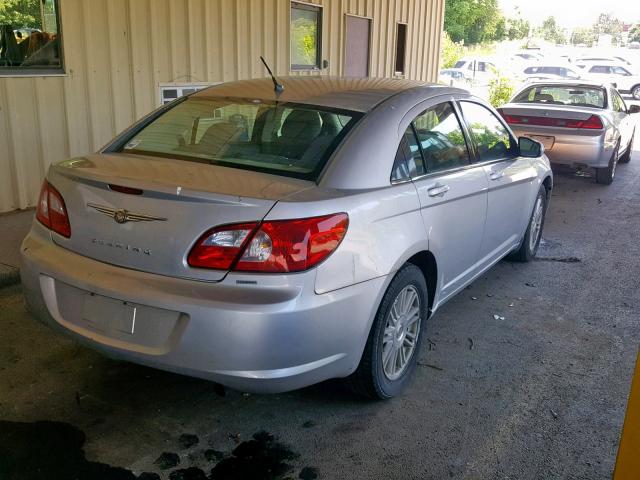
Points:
(574, 150)
(271, 336)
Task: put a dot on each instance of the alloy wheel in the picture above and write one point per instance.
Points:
(536, 224)
(401, 332)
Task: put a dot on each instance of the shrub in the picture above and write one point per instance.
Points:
(451, 51)
(500, 91)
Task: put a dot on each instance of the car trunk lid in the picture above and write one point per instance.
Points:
(145, 213)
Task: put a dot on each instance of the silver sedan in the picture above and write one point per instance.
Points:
(268, 240)
(581, 124)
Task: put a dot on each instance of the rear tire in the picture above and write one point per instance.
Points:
(380, 374)
(604, 176)
(532, 236)
(635, 92)
(626, 158)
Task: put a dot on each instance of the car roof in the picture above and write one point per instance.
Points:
(550, 65)
(613, 63)
(568, 83)
(347, 93)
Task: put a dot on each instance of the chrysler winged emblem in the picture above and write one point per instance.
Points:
(120, 215)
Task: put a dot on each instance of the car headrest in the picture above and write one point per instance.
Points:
(302, 124)
(544, 97)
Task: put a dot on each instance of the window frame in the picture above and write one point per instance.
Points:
(623, 104)
(626, 73)
(425, 162)
(16, 72)
(430, 174)
(476, 156)
(118, 144)
(318, 9)
(534, 88)
(402, 72)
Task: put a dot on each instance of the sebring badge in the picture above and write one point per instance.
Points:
(123, 216)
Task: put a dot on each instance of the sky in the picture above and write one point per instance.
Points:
(573, 13)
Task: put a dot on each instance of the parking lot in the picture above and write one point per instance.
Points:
(524, 375)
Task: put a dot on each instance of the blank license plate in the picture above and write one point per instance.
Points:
(545, 140)
(108, 314)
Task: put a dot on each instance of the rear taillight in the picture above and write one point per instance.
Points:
(51, 211)
(277, 246)
(592, 123)
(219, 247)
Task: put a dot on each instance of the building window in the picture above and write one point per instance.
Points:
(401, 45)
(171, 91)
(305, 36)
(30, 37)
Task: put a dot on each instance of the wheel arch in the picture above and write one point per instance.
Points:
(426, 262)
(548, 185)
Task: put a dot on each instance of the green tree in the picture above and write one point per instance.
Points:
(634, 33)
(472, 21)
(517, 28)
(552, 32)
(607, 24)
(451, 51)
(20, 13)
(583, 35)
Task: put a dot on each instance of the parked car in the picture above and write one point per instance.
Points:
(548, 72)
(614, 73)
(453, 78)
(310, 241)
(477, 70)
(581, 124)
(634, 45)
(528, 56)
(602, 58)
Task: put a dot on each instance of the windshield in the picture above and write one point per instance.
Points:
(563, 95)
(282, 138)
(459, 64)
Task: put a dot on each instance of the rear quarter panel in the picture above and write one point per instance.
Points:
(385, 229)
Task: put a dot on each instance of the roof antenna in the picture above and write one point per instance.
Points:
(276, 85)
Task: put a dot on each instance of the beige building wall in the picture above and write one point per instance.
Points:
(117, 52)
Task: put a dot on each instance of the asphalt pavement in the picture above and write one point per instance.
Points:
(525, 375)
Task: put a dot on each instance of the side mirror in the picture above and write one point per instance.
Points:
(530, 148)
(634, 109)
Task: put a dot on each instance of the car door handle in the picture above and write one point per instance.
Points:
(496, 175)
(438, 190)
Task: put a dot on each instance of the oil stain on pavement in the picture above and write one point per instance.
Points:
(54, 451)
(49, 450)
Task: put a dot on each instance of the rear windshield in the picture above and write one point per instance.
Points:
(282, 138)
(563, 95)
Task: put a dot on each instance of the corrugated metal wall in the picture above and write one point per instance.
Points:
(117, 52)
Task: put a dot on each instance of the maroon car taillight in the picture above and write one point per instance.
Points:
(594, 122)
(276, 246)
(52, 212)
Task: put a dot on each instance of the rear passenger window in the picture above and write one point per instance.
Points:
(441, 139)
(493, 141)
(409, 162)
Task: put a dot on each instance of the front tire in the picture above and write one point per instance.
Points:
(635, 92)
(393, 345)
(533, 235)
(604, 176)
